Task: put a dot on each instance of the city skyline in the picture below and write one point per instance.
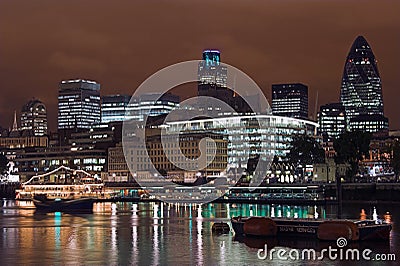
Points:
(245, 132)
(273, 42)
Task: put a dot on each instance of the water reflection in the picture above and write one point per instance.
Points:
(114, 244)
(57, 226)
(199, 243)
(156, 251)
(162, 210)
(199, 257)
(199, 215)
(144, 233)
(114, 209)
(134, 209)
(308, 243)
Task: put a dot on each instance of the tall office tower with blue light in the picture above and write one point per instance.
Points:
(78, 104)
(361, 91)
(212, 82)
(210, 70)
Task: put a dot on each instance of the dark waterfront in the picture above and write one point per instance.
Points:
(159, 234)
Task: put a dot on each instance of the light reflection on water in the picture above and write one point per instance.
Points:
(156, 233)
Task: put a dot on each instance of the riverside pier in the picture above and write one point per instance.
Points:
(279, 193)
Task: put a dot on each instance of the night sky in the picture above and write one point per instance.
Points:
(121, 43)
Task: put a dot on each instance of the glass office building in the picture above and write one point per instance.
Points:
(213, 75)
(124, 107)
(34, 117)
(331, 121)
(114, 107)
(370, 123)
(252, 136)
(78, 104)
(361, 91)
(290, 100)
(210, 70)
(151, 104)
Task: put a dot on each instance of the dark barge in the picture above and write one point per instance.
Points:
(81, 205)
(315, 228)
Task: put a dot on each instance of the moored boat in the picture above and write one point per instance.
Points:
(329, 230)
(81, 205)
(220, 227)
(64, 183)
(369, 230)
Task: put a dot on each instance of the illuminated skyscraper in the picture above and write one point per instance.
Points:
(290, 100)
(78, 104)
(152, 104)
(361, 92)
(331, 120)
(34, 117)
(213, 76)
(113, 107)
(210, 69)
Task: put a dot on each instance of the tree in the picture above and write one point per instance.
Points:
(396, 158)
(350, 148)
(305, 150)
(3, 164)
(276, 159)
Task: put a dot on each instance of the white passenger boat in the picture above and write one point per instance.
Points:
(63, 183)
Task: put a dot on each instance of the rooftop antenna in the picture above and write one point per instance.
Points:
(15, 124)
(316, 107)
(234, 86)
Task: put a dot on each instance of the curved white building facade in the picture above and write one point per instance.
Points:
(251, 136)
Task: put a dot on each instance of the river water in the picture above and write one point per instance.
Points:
(162, 234)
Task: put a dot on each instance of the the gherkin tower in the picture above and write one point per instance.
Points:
(361, 92)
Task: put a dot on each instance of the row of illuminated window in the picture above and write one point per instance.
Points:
(185, 151)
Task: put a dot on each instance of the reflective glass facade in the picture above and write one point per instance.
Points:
(113, 107)
(273, 137)
(34, 117)
(361, 91)
(210, 70)
(370, 123)
(212, 77)
(78, 104)
(290, 100)
(331, 120)
(151, 105)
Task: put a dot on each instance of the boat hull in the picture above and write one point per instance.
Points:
(379, 232)
(83, 205)
(305, 228)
